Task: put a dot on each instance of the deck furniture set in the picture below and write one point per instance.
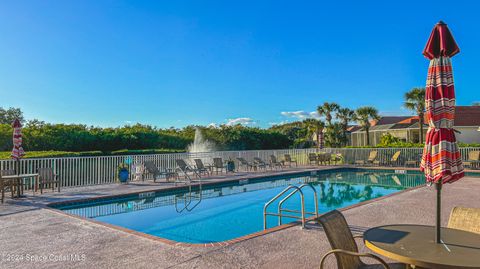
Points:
(13, 182)
(410, 245)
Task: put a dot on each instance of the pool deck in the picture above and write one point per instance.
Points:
(32, 236)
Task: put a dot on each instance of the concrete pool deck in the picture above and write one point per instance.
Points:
(35, 237)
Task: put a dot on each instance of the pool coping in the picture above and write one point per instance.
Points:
(227, 242)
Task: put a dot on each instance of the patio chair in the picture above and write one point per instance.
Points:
(466, 219)
(151, 168)
(201, 168)
(336, 158)
(344, 246)
(473, 160)
(7, 183)
(47, 177)
(274, 162)
(288, 159)
(312, 158)
(324, 158)
(218, 164)
(394, 159)
(414, 162)
(372, 156)
(260, 163)
(183, 167)
(244, 163)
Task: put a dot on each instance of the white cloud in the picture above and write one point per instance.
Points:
(213, 125)
(300, 114)
(242, 121)
(279, 123)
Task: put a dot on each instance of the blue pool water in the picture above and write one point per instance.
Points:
(229, 210)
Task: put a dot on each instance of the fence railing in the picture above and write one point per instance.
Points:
(84, 171)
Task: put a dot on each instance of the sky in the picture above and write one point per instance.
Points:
(176, 63)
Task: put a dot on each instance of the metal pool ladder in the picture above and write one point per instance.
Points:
(293, 190)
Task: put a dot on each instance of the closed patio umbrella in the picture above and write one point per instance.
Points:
(17, 151)
(441, 160)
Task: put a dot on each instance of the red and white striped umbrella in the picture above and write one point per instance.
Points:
(321, 139)
(441, 159)
(17, 152)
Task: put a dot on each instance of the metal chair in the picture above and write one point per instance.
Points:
(153, 169)
(242, 162)
(219, 165)
(289, 160)
(344, 246)
(274, 162)
(201, 168)
(466, 219)
(47, 177)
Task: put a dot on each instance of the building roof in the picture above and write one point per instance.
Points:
(390, 120)
(467, 116)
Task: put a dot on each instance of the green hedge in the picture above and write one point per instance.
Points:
(51, 154)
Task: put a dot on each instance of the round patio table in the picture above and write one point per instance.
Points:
(415, 245)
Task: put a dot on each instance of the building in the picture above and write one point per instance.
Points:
(467, 123)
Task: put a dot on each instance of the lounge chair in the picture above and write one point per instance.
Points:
(274, 162)
(336, 158)
(201, 168)
(413, 162)
(312, 158)
(473, 160)
(260, 163)
(394, 159)
(151, 168)
(47, 177)
(466, 219)
(289, 160)
(244, 163)
(183, 167)
(218, 164)
(372, 156)
(344, 246)
(324, 158)
(6, 183)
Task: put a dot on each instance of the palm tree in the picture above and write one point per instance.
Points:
(363, 115)
(415, 100)
(314, 126)
(345, 115)
(326, 110)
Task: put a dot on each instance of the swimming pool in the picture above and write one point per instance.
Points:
(225, 211)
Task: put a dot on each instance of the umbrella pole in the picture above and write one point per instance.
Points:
(438, 187)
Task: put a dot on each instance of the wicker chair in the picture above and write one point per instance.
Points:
(466, 219)
(6, 183)
(344, 247)
(47, 177)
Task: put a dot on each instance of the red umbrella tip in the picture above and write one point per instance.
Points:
(441, 23)
(440, 43)
(16, 123)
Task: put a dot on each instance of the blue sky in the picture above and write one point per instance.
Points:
(174, 63)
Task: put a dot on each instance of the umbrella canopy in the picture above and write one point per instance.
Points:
(17, 152)
(441, 160)
(321, 140)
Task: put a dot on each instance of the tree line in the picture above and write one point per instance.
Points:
(41, 136)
